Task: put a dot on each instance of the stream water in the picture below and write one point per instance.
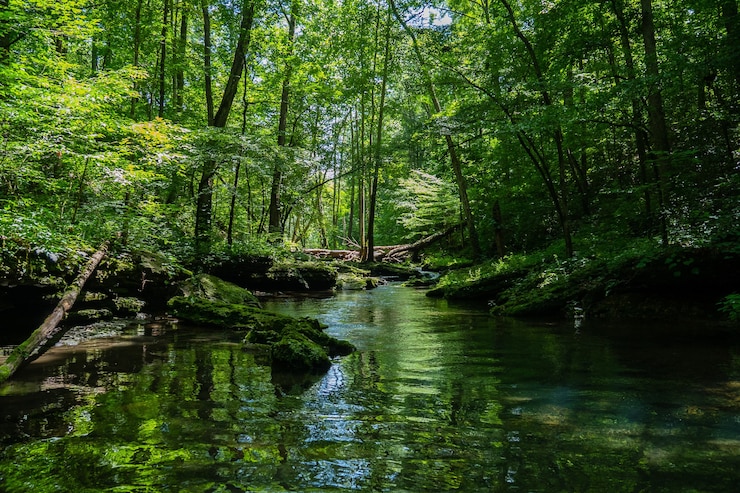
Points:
(438, 398)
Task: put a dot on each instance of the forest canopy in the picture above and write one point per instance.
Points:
(192, 126)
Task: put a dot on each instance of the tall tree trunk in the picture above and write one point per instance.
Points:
(451, 148)
(207, 61)
(163, 56)
(378, 151)
(661, 148)
(137, 48)
(277, 174)
(641, 137)
(204, 205)
(181, 57)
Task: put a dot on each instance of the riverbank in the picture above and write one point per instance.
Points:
(638, 280)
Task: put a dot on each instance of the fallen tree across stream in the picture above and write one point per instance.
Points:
(49, 331)
(390, 253)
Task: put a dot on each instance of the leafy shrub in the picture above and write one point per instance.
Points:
(730, 306)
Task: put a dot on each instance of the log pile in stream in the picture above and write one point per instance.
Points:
(49, 331)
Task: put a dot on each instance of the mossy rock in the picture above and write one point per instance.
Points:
(212, 288)
(297, 344)
(230, 315)
(296, 275)
(352, 282)
(295, 351)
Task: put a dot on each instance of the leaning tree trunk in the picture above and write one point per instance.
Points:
(204, 204)
(49, 331)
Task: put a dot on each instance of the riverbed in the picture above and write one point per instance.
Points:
(438, 397)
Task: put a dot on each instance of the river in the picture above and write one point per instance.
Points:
(439, 397)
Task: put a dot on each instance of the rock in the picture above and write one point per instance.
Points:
(265, 274)
(296, 344)
(212, 288)
(295, 351)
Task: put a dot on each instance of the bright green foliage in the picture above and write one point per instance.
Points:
(547, 107)
(426, 204)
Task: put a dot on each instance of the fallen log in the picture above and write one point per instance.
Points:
(424, 242)
(325, 253)
(49, 330)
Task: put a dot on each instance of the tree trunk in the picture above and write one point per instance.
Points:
(277, 174)
(204, 206)
(370, 257)
(207, 61)
(163, 56)
(424, 242)
(181, 57)
(48, 332)
(656, 115)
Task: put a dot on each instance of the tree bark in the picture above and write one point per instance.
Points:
(204, 203)
(661, 148)
(137, 47)
(181, 57)
(275, 225)
(370, 256)
(207, 61)
(48, 332)
(163, 56)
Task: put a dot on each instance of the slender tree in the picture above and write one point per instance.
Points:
(204, 204)
(275, 225)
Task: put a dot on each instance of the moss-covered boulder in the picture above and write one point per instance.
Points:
(274, 274)
(296, 344)
(229, 315)
(295, 351)
(212, 288)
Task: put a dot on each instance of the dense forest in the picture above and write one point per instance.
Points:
(198, 127)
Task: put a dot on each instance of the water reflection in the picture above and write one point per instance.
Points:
(438, 398)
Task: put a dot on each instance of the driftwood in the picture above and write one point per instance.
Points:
(42, 337)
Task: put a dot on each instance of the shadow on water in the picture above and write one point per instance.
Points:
(438, 398)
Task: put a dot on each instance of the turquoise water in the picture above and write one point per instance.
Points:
(439, 397)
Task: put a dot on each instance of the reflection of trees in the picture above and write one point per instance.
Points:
(197, 415)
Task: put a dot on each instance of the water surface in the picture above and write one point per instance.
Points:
(438, 398)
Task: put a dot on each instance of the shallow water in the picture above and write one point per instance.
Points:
(438, 398)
